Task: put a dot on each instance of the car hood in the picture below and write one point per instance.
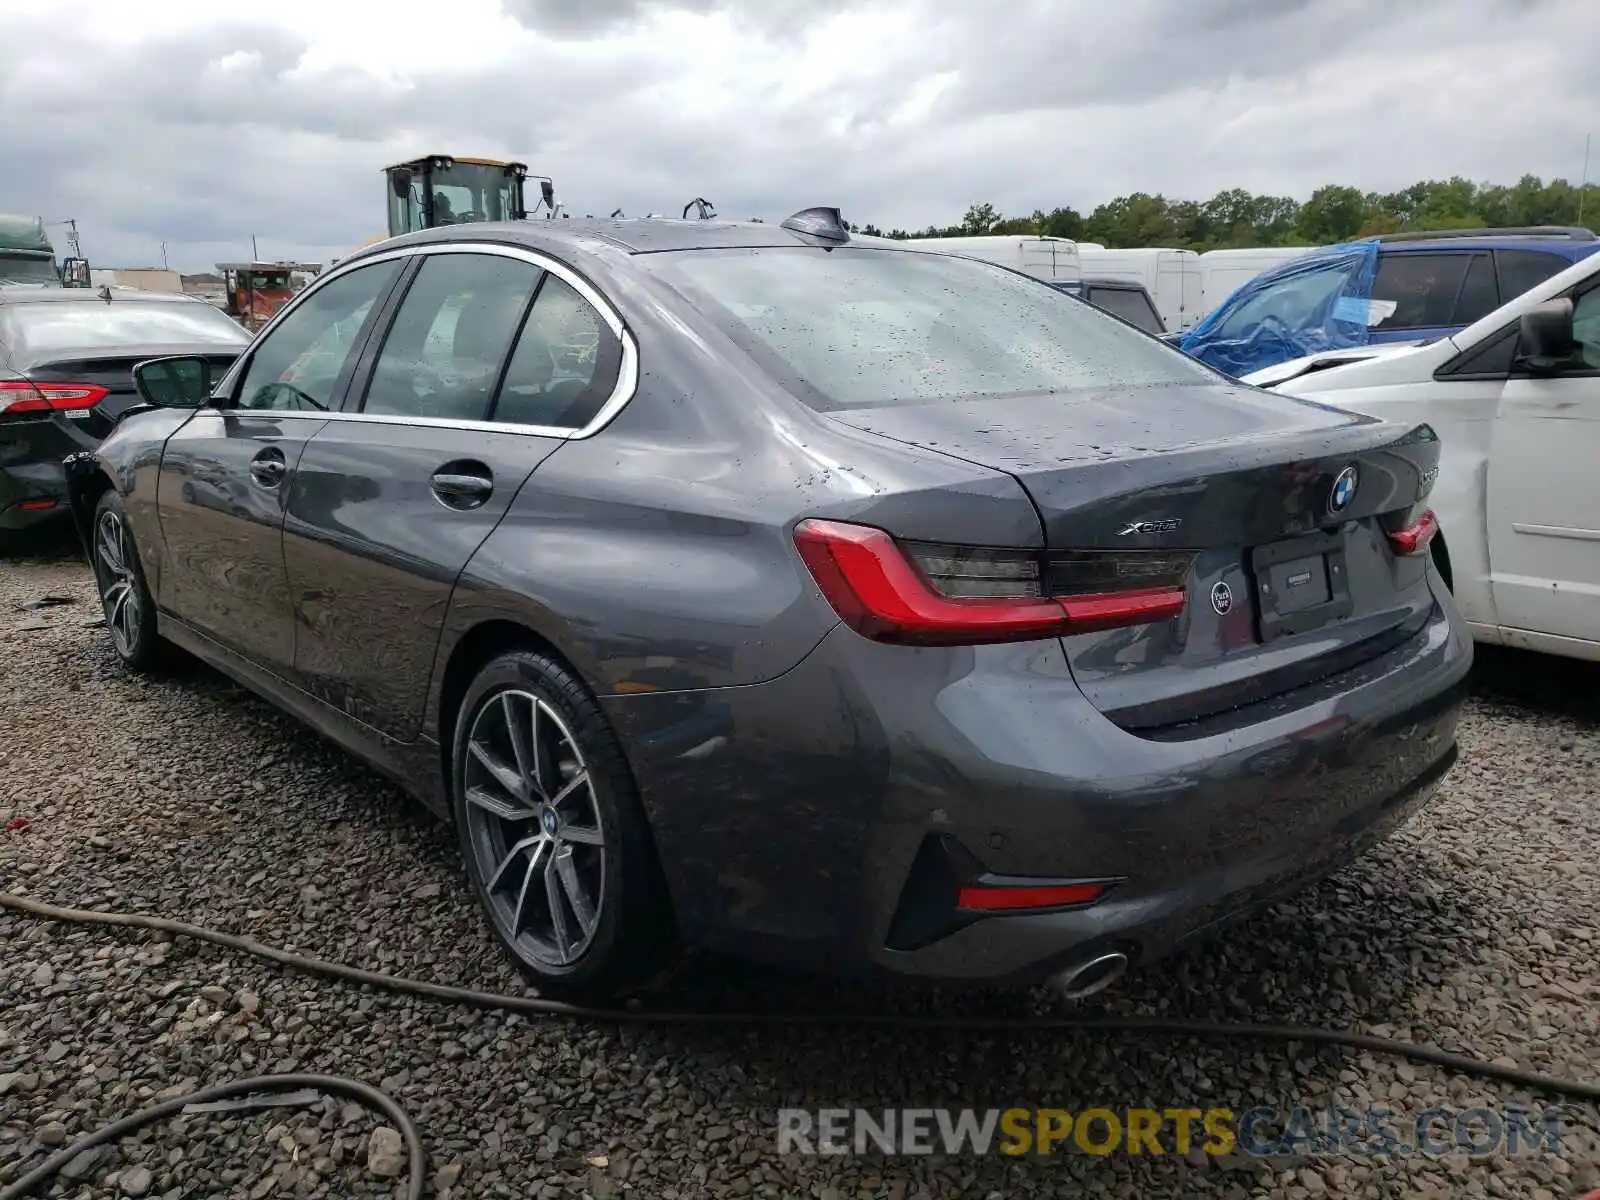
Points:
(1357, 366)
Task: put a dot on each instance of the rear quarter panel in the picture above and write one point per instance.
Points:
(657, 555)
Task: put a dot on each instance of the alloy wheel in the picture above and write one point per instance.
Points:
(119, 587)
(534, 828)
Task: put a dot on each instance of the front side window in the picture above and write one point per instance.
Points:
(1296, 302)
(1585, 356)
(298, 365)
(565, 365)
(443, 354)
(1422, 288)
(862, 328)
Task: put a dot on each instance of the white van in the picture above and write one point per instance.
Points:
(1222, 272)
(1049, 258)
(1172, 277)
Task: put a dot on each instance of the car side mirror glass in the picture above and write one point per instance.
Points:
(183, 381)
(1544, 337)
(400, 183)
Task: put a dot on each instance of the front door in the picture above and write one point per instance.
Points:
(1544, 491)
(226, 474)
(393, 498)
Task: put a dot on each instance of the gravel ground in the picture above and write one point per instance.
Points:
(1476, 928)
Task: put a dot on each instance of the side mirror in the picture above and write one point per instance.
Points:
(1544, 338)
(183, 381)
(400, 183)
(75, 272)
(547, 190)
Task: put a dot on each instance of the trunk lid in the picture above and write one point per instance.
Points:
(1289, 583)
(113, 370)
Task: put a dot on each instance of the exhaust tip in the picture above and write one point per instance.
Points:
(1094, 974)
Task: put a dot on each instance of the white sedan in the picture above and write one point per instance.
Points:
(1515, 400)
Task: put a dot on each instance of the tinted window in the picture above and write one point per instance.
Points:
(565, 365)
(855, 327)
(1523, 269)
(1490, 359)
(50, 326)
(1422, 288)
(298, 365)
(444, 352)
(1479, 296)
(1131, 306)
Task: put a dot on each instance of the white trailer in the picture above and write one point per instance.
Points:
(1049, 258)
(1224, 271)
(1172, 277)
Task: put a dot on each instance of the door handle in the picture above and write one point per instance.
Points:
(268, 468)
(462, 485)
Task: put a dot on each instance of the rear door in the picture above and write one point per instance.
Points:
(1543, 504)
(226, 473)
(493, 355)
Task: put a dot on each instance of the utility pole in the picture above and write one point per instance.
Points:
(164, 256)
(255, 254)
(1583, 186)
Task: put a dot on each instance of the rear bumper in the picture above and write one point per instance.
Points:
(789, 814)
(31, 470)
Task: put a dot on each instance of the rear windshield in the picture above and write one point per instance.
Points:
(108, 325)
(860, 328)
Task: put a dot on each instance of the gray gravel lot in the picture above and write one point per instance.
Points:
(1476, 928)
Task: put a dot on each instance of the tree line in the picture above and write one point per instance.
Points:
(1333, 213)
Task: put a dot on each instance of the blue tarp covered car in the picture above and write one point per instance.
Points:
(1318, 302)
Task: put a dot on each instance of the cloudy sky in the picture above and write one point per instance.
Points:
(191, 123)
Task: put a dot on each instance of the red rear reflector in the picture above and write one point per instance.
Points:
(880, 593)
(1001, 898)
(1415, 539)
(24, 396)
(36, 505)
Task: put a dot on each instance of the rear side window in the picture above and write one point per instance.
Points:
(565, 365)
(867, 328)
(51, 326)
(1422, 287)
(443, 354)
(1479, 296)
(1523, 269)
(1133, 307)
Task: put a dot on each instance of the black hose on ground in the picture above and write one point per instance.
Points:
(535, 1006)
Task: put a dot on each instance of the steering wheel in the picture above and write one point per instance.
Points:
(266, 397)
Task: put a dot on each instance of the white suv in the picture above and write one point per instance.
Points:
(1515, 400)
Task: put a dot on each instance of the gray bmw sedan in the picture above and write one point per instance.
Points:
(775, 590)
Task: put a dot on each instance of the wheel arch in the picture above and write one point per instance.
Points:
(475, 648)
(87, 480)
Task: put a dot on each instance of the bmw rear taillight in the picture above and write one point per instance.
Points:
(1417, 534)
(919, 593)
(25, 396)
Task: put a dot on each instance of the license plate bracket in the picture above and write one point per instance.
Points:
(1300, 584)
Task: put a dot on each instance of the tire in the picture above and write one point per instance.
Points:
(572, 889)
(124, 595)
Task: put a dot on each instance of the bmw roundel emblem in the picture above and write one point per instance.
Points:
(1222, 599)
(1344, 490)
